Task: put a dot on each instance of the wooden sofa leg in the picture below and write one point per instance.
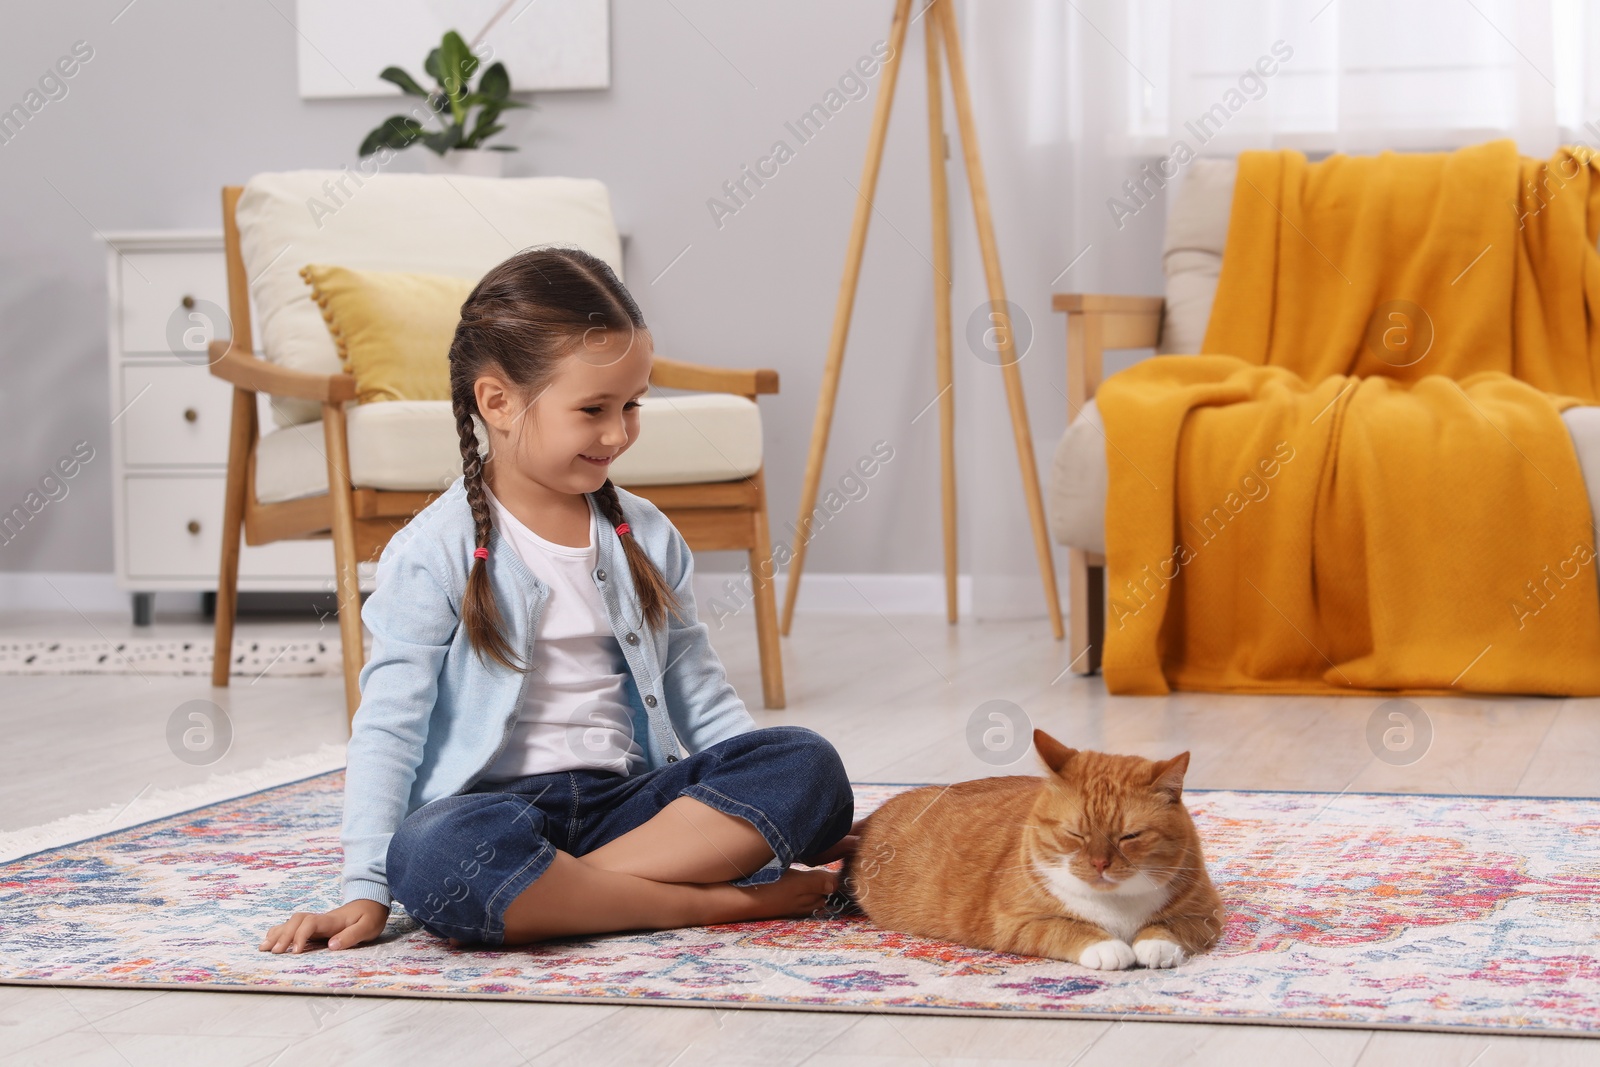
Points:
(240, 437)
(1088, 591)
(344, 553)
(1097, 617)
(766, 603)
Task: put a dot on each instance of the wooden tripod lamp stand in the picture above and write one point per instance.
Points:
(941, 21)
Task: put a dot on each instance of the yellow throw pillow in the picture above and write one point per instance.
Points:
(392, 329)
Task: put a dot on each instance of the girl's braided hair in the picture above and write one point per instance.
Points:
(520, 321)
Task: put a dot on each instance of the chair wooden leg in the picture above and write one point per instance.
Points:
(344, 552)
(1087, 586)
(766, 603)
(241, 435)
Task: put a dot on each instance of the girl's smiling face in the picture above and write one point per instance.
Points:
(565, 436)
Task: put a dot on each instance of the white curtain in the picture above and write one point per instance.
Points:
(1052, 108)
(1074, 97)
(1360, 75)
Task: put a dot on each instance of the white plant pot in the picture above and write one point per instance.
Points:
(473, 162)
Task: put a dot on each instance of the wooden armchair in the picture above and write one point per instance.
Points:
(1097, 323)
(360, 519)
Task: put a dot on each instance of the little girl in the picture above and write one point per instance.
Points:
(514, 769)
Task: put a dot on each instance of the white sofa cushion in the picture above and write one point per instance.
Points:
(1191, 256)
(412, 444)
(430, 223)
(1079, 481)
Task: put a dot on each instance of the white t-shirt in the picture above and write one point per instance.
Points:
(575, 712)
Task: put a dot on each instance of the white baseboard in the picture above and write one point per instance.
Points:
(68, 591)
(833, 594)
(838, 594)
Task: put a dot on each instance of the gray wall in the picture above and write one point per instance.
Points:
(182, 97)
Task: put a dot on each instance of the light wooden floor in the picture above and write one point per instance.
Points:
(895, 696)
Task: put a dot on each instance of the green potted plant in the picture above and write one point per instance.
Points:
(458, 146)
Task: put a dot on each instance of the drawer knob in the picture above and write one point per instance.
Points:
(190, 414)
(194, 526)
(187, 301)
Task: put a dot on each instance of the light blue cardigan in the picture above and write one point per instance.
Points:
(434, 715)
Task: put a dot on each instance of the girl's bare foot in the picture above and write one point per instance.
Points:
(648, 904)
(796, 895)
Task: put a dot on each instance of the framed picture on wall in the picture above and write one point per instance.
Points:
(545, 44)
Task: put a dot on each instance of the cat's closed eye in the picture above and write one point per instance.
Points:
(1131, 836)
(1067, 842)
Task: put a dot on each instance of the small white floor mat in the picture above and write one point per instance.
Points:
(252, 657)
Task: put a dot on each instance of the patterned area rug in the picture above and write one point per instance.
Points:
(154, 655)
(1411, 912)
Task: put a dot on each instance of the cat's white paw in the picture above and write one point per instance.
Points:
(1110, 955)
(1159, 952)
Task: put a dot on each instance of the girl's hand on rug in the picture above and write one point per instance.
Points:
(346, 926)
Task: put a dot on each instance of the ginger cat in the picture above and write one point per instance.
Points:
(1098, 863)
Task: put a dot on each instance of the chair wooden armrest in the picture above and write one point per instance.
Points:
(244, 370)
(1096, 322)
(697, 377)
(1108, 303)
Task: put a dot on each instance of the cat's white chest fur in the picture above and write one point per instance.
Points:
(1121, 912)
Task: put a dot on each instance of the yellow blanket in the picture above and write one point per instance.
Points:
(1368, 486)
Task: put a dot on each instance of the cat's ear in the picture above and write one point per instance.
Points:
(1053, 752)
(1167, 778)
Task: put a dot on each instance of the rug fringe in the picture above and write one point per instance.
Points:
(161, 803)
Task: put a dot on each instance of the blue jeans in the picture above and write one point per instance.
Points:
(458, 862)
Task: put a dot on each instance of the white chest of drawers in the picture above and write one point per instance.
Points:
(169, 440)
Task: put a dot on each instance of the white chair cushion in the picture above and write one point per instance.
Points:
(692, 437)
(412, 445)
(429, 223)
(399, 444)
